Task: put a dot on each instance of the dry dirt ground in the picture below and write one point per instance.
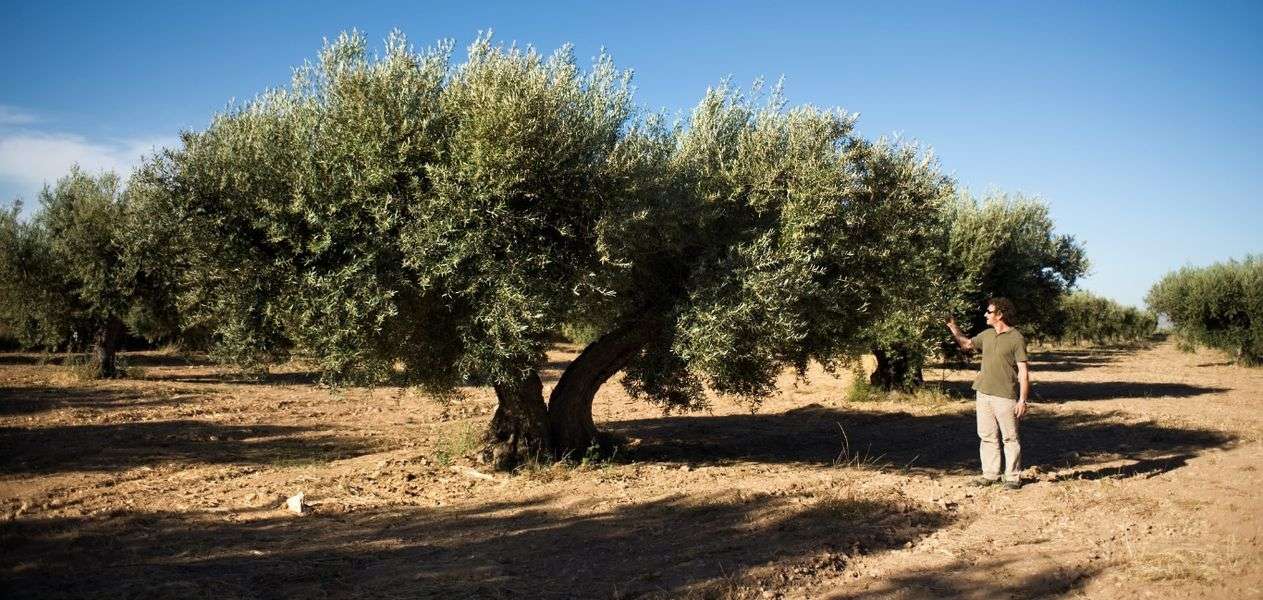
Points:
(1142, 469)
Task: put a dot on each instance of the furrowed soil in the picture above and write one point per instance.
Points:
(1142, 478)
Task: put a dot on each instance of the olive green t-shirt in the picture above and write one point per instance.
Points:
(1000, 354)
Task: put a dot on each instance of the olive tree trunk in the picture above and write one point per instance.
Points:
(1247, 358)
(570, 405)
(898, 367)
(518, 432)
(105, 349)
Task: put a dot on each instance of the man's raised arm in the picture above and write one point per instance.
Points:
(961, 340)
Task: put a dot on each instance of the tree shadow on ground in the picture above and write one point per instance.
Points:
(31, 400)
(1065, 361)
(540, 548)
(135, 359)
(1114, 349)
(27, 358)
(991, 578)
(941, 443)
(166, 359)
(121, 446)
(238, 378)
(1069, 391)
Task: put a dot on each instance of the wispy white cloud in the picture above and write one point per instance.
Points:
(12, 115)
(30, 159)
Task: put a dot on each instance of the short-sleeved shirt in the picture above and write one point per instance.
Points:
(1000, 354)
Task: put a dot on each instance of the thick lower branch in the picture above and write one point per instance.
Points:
(570, 405)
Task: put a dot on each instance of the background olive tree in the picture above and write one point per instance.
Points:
(1220, 306)
(788, 238)
(999, 246)
(1007, 245)
(85, 270)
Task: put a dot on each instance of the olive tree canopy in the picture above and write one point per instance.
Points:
(400, 216)
(1007, 246)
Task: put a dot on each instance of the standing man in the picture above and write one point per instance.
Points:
(1002, 386)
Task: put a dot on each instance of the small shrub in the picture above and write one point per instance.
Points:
(451, 447)
(80, 367)
(83, 367)
(861, 390)
(580, 333)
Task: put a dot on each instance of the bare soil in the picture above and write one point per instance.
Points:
(1142, 481)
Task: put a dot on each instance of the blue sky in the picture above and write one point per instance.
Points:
(1140, 124)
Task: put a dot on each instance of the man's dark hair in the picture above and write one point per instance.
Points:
(1006, 309)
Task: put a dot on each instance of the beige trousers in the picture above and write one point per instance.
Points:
(996, 419)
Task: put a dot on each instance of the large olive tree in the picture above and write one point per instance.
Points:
(404, 212)
(406, 217)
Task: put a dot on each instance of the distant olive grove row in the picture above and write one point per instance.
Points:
(398, 217)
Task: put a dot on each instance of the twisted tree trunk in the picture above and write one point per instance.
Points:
(570, 405)
(518, 432)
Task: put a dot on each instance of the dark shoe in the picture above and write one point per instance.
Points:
(983, 482)
(1012, 485)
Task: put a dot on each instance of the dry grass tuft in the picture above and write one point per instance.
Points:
(850, 507)
(1188, 564)
(857, 459)
(545, 470)
(455, 443)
